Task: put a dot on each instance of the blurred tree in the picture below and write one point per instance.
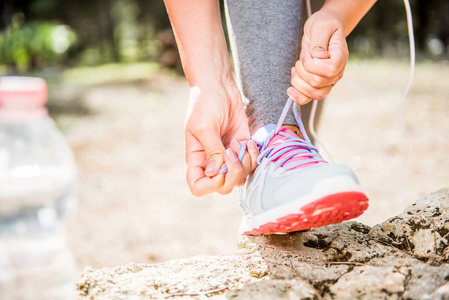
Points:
(25, 47)
(130, 30)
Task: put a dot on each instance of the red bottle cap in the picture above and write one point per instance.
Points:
(22, 97)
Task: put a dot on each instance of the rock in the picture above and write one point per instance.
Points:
(405, 257)
(274, 289)
(369, 282)
(422, 229)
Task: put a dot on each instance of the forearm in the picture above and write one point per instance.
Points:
(200, 38)
(349, 12)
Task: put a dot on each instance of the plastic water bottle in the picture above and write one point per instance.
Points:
(37, 175)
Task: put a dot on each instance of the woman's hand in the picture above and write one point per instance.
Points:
(324, 50)
(215, 128)
(216, 123)
(323, 58)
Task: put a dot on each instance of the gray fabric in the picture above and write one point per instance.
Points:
(265, 40)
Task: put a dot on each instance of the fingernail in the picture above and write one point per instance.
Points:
(231, 155)
(293, 70)
(318, 48)
(210, 166)
(303, 54)
(235, 144)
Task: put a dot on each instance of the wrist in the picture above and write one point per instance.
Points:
(347, 12)
(217, 82)
(328, 15)
(225, 87)
(211, 66)
(211, 72)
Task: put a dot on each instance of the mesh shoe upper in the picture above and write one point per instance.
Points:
(293, 176)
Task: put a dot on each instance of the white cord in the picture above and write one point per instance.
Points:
(313, 132)
(411, 38)
(309, 8)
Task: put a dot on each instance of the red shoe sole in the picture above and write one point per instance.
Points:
(330, 209)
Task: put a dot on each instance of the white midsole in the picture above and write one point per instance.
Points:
(325, 187)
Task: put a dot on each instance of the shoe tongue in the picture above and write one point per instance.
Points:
(261, 135)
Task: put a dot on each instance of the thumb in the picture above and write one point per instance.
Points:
(214, 149)
(319, 41)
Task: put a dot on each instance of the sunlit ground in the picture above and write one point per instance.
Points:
(125, 125)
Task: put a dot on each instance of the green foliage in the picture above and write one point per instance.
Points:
(24, 47)
(105, 31)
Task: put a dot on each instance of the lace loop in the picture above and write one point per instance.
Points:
(292, 147)
(293, 152)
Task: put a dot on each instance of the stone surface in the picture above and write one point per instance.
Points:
(404, 257)
(423, 228)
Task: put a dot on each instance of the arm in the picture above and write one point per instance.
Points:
(348, 12)
(201, 41)
(215, 118)
(325, 38)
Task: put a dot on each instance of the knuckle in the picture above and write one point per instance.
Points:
(224, 191)
(318, 94)
(298, 65)
(214, 152)
(199, 127)
(315, 81)
(235, 170)
(332, 71)
(296, 82)
(306, 65)
(195, 192)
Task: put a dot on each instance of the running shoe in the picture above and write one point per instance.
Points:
(294, 188)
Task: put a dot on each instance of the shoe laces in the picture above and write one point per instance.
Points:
(294, 152)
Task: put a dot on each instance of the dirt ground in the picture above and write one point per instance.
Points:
(127, 136)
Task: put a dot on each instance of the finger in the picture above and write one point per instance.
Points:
(338, 50)
(316, 81)
(246, 159)
(306, 90)
(295, 94)
(329, 67)
(253, 154)
(213, 148)
(253, 151)
(246, 168)
(319, 41)
(298, 97)
(335, 64)
(200, 184)
(232, 177)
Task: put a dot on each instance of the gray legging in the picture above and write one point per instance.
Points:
(265, 38)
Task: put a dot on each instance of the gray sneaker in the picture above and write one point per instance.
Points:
(294, 188)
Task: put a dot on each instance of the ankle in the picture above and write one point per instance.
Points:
(295, 130)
